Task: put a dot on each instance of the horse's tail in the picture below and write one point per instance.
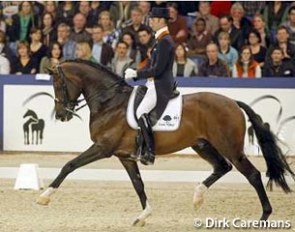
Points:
(276, 162)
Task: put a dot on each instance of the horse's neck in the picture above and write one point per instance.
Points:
(102, 98)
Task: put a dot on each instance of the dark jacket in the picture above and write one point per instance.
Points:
(219, 69)
(161, 63)
(286, 69)
(14, 30)
(107, 54)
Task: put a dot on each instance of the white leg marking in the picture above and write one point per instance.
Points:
(198, 198)
(140, 220)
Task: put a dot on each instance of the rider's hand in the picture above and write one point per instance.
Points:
(130, 73)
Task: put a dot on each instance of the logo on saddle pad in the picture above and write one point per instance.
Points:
(170, 119)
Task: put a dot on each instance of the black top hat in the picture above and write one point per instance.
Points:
(160, 12)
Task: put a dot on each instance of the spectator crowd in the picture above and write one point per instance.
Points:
(239, 39)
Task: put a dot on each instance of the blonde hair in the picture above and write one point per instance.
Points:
(106, 13)
(237, 6)
(85, 47)
(223, 34)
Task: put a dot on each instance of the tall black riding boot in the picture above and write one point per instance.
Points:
(146, 130)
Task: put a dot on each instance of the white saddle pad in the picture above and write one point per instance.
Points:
(170, 119)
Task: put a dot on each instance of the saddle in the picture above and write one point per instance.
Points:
(169, 120)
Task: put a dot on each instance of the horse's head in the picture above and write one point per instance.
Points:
(66, 91)
(30, 113)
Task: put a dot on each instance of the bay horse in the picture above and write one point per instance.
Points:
(213, 125)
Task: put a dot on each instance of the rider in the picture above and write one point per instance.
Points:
(160, 81)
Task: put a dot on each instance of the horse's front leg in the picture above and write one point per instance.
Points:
(134, 174)
(95, 152)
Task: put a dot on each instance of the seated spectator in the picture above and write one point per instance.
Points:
(226, 25)
(111, 34)
(48, 29)
(275, 13)
(52, 59)
(25, 64)
(4, 65)
(121, 61)
(259, 25)
(290, 24)
(177, 25)
(135, 24)
(146, 41)
(84, 8)
(96, 8)
(239, 20)
(120, 12)
(252, 8)
(83, 51)
(20, 25)
(246, 67)
(226, 52)
(132, 51)
(101, 51)
(65, 12)
(213, 66)
(63, 38)
(50, 7)
(258, 51)
(37, 49)
(199, 39)
(212, 22)
(283, 42)
(145, 7)
(5, 49)
(278, 67)
(79, 33)
(183, 66)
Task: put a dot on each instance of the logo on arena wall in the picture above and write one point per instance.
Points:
(33, 128)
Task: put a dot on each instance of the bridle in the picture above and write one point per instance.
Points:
(68, 104)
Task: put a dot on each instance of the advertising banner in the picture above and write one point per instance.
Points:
(29, 123)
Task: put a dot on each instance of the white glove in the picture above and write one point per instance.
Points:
(130, 73)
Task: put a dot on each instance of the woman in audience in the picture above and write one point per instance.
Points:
(246, 67)
(25, 64)
(226, 52)
(52, 59)
(37, 49)
(65, 12)
(83, 51)
(20, 25)
(132, 52)
(48, 29)
(258, 51)
(183, 66)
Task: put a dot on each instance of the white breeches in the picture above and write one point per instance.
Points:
(149, 101)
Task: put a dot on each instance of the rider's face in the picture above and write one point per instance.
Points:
(156, 23)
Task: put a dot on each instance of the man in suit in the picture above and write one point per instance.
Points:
(102, 52)
(160, 81)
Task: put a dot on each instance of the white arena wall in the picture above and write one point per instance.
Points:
(73, 136)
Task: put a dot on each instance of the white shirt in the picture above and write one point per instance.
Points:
(4, 65)
(160, 31)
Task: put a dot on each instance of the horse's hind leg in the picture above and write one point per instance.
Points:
(93, 153)
(220, 167)
(134, 174)
(254, 178)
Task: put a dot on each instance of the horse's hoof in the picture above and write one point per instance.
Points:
(198, 203)
(43, 200)
(139, 222)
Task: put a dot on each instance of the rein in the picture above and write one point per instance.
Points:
(67, 102)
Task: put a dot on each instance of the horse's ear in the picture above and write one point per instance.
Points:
(51, 70)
